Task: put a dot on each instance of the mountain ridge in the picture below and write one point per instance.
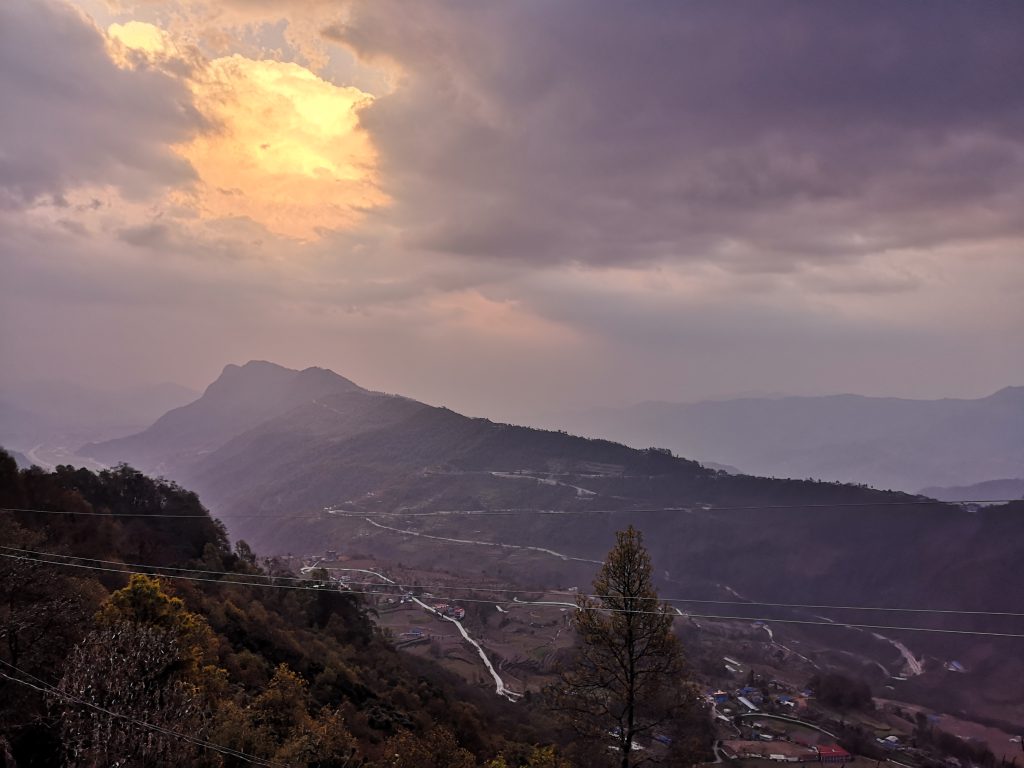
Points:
(393, 479)
(241, 397)
(887, 442)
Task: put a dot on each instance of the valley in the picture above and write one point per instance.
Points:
(299, 461)
(515, 635)
(498, 574)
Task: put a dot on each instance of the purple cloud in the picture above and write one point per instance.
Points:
(760, 134)
(70, 117)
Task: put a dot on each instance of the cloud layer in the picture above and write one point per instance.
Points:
(72, 118)
(758, 135)
(512, 207)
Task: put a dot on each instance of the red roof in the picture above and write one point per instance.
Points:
(831, 750)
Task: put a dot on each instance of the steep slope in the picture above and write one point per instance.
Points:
(241, 398)
(390, 452)
(884, 442)
(302, 656)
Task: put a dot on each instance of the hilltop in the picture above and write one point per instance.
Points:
(240, 398)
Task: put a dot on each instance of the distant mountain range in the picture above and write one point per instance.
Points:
(298, 461)
(884, 442)
(990, 490)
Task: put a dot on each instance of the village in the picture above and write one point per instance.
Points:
(768, 721)
(745, 732)
(762, 714)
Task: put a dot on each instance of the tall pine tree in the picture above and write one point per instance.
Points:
(627, 682)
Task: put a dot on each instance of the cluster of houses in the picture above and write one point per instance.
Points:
(778, 746)
(449, 610)
(786, 752)
(750, 699)
(758, 740)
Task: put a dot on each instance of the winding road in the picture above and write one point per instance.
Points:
(499, 684)
(543, 550)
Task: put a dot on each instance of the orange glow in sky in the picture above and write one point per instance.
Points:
(284, 147)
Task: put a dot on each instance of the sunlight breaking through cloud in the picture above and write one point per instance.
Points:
(284, 147)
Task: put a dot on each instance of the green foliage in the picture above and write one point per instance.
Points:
(302, 678)
(545, 757)
(144, 601)
(437, 748)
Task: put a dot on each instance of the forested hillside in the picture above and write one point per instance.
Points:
(265, 439)
(223, 660)
(312, 462)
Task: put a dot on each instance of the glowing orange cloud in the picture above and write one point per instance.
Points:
(285, 147)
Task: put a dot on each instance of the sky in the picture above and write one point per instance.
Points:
(516, 208)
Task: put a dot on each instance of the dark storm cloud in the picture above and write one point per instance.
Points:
(758, 134)
(70, 117)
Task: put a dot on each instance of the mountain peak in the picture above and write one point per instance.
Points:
(254, 367)
(1008, 394)
(326, 376)
(241, 397)
(263, 375)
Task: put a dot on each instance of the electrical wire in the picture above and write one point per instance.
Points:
(327, 514)
(599, 609)
(500, 590)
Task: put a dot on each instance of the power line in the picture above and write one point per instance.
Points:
(599, 609)
(505, 590)
(695, 507)
(500, 590)
(49, 689)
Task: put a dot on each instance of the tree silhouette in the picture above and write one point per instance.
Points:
(627, 681)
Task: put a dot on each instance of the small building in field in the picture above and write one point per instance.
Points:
(833, 753)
